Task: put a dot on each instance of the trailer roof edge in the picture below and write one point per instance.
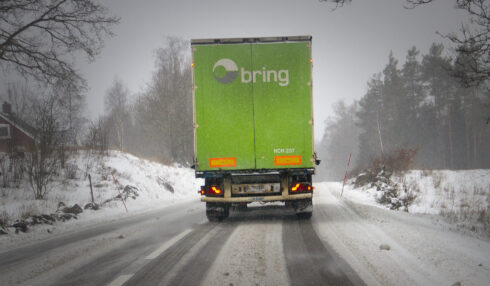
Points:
(251, 40)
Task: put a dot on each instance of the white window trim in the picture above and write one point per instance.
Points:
(8, 131)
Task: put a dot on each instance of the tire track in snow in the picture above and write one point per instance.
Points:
(187, 261)
(310, 262)
(252, 255)
(358, 240)
(270, 246)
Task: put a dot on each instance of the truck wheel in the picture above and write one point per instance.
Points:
(214, 216)
(217, 212)
(303, 208)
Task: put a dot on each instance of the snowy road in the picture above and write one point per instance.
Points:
(267, 246)
(177, 246)
(345, 243)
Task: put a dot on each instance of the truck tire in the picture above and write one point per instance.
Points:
(214, 216)
(303, 208)
(216, 212)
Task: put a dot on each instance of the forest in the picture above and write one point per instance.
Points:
(420, 108)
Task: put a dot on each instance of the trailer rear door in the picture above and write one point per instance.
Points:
(252, 105)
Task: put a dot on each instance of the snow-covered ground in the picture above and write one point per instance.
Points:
(462, 197)
(442, 239)
(152, 180)
(388, 247)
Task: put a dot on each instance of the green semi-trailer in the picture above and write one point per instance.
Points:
(253, 122)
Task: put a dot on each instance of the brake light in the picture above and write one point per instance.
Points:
(211, 191)
(301, 187)
(215, 190)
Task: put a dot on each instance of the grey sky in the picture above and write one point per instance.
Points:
(349, 44)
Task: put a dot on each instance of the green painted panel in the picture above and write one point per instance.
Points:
(253, 106)
(282, 105)
(223, 107)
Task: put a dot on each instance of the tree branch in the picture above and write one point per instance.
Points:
(36, 35)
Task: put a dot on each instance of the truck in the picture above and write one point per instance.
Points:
(253, 122)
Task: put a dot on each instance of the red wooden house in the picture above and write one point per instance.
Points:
(16, 136)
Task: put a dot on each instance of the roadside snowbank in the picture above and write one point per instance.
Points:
(388, 247)
(461, 197)
(158, 186)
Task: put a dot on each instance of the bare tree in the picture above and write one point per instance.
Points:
(72, 107)
(19, 95)
(36, 37)
(473, 42)
(42, 165)
(96, 139)
(116, 103)
(164, 112)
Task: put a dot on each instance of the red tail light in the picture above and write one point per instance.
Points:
(214, 190)
(211, 191)
(301, 188)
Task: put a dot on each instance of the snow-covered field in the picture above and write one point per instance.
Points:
(152, 180)
(462, 198)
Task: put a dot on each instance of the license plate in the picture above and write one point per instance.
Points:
(256, 188)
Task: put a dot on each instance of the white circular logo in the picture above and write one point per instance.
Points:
(231, 71)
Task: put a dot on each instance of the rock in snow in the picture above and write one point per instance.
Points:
(20, 225)
(384, 247)
(92, 206)
(75, 209)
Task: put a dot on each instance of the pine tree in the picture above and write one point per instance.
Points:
(396, 107)
(439, 84)
(372, 130)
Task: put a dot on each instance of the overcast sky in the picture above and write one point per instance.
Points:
(350, 44)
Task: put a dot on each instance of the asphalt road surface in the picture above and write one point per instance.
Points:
(264, 245)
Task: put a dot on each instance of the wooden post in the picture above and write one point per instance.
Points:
(91, 190)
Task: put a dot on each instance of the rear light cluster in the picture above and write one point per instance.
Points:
(211, 191)
(301, 188)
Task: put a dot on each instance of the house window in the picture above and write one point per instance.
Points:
(4, 131)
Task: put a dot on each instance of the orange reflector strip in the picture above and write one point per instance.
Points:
(222, 162)
(287, 160)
